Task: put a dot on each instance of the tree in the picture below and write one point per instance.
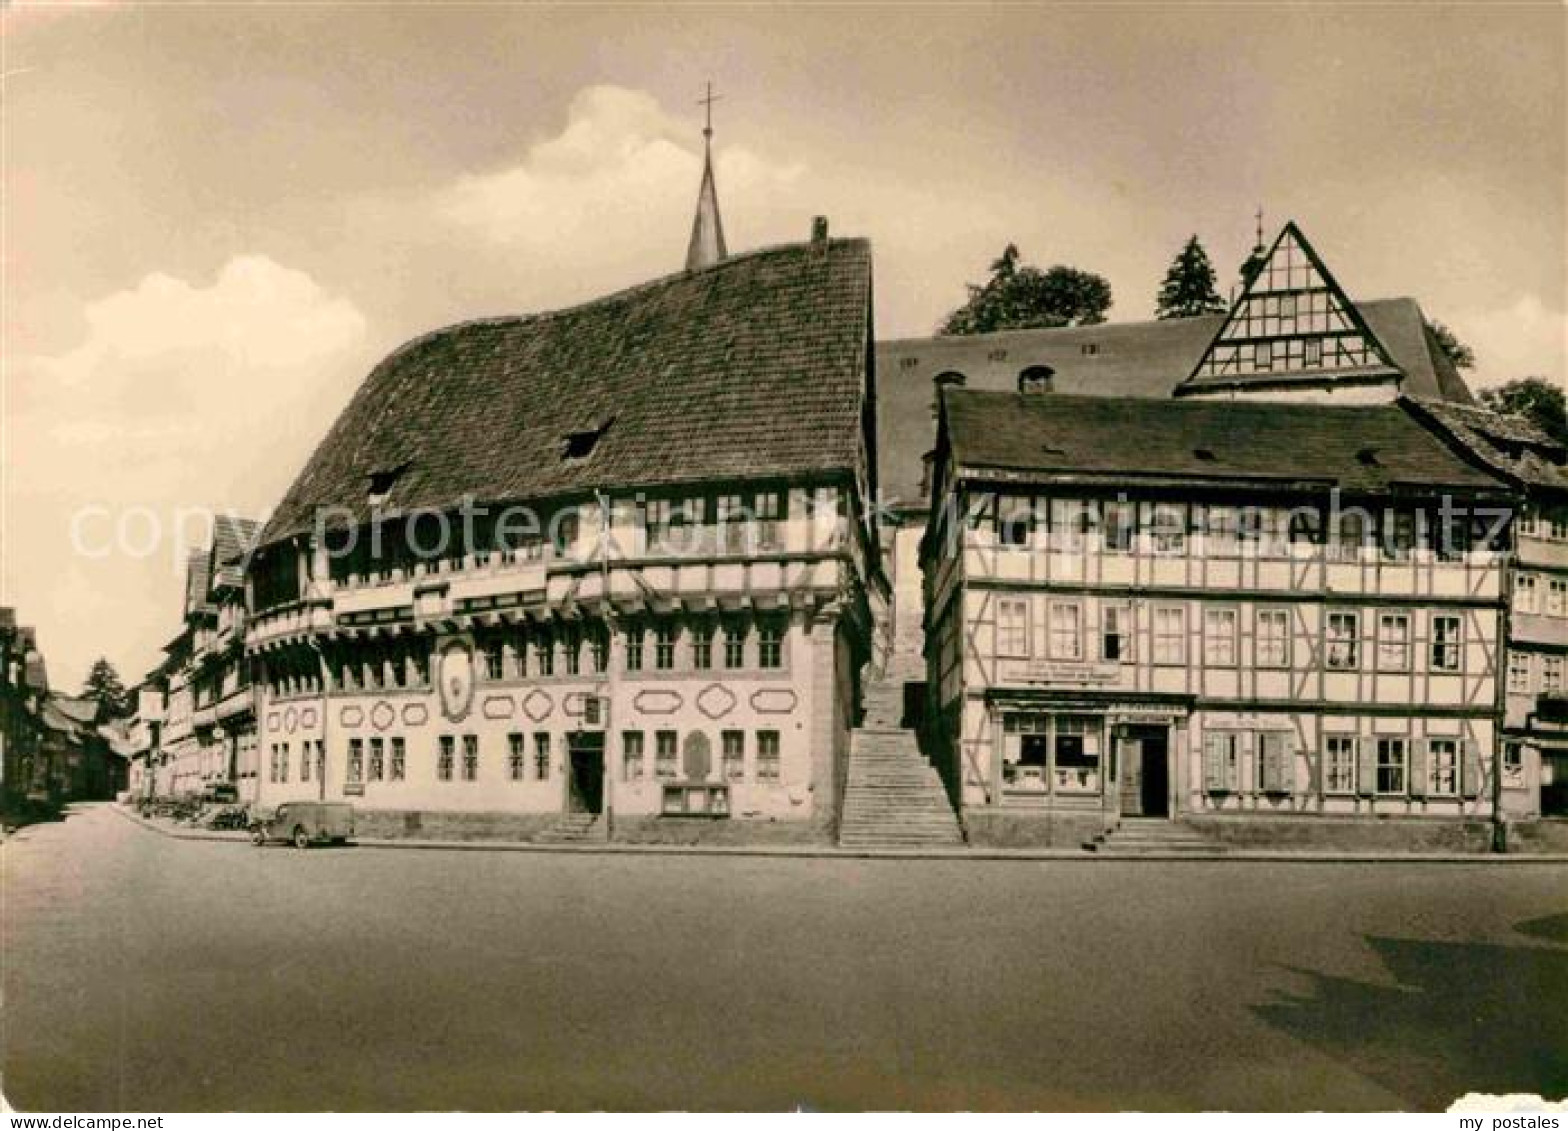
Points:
(1188, 289)
(1534, 398)
(1023, 298)
(104, 687)
(1462, 356)
(1254, 262)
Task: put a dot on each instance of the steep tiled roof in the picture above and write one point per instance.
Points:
(754, 367)
(1509, 444)
(232, 540)
(198, 581)
(1125, 440)
(1114, 359)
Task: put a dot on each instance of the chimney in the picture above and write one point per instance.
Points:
(819, 230)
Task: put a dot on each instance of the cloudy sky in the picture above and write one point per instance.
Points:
(216, 218)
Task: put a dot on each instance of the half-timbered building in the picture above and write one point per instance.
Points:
(1210, 607)
(608, 566)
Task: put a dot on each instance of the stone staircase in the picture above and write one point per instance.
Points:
(894, 798)
(1152, 836)
(570, 829)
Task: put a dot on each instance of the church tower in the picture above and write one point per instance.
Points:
(707, 230)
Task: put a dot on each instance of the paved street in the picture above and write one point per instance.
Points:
(144, 973)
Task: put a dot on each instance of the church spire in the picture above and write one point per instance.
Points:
(707, 230)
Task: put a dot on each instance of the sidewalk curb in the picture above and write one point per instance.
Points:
(817, 852)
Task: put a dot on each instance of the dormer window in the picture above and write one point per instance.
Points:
(381, 483)
(1036, 379)
(1204, 454)
(1367, 457)
(580, 445)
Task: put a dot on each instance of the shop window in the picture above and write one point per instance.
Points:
(1076, 750)
(1026, 752)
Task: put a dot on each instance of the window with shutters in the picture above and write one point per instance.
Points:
(1442, 767)
(1272, 638)
(1445, 643)
(1339, 764)
(1012, 628)
(1221, 761)
(1274, 767)
(1391, 757)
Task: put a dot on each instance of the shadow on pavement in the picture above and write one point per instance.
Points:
(1462, 1017)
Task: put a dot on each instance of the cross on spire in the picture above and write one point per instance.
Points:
(707, 231)
(1259, 244)
(706, 102)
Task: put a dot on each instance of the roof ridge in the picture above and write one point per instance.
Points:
(614, 296)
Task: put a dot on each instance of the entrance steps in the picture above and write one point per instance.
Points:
(570, 829)
(1152, 836)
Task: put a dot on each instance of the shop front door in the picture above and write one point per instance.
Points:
(1145, 772)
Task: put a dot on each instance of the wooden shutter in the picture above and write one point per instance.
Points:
(1470, 771)
(1213, 764)
(1418, 764)
(1366, 766)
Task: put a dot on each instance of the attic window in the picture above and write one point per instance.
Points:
(1204, 454)
(581, 444)
(1367, 457)
(381, 483)
(1036, 379)
(1089, 349)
